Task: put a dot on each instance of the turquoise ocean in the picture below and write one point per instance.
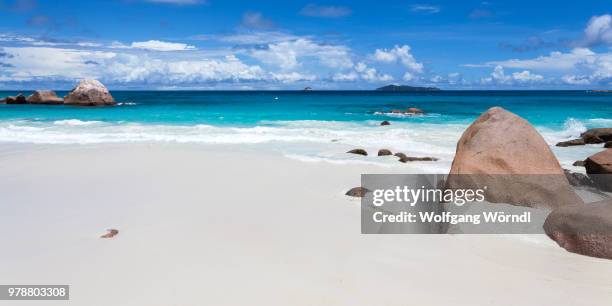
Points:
(310, 126)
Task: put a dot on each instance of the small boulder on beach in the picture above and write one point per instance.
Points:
(583, 229)
(44, 97)
(573, 142)
(599, 168)
(406, 159)
(400, 155)
(578, 179)
(598, 135)
(578, 163)
(385, 123)
(89, 93)
(608, 144)
(357, 192)
(358, 152)
(111, 233)
(505, 153)
(384, 152)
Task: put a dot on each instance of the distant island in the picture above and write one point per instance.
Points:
(406, 88)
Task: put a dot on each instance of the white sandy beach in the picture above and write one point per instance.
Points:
(230, 225)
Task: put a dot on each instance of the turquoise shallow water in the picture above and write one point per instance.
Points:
(310, 126)
(251, 108)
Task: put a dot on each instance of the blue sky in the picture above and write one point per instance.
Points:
(214, 44)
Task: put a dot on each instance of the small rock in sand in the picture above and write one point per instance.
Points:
(358, 151)
(111, 233)
(357, 192)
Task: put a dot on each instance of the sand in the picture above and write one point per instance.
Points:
(235, 225)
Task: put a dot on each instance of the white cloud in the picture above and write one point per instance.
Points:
(157, 45)
(408, 77)
(292, 77)
(401, 54)
(287, 54)
(425, 8)
(362, 72)
(499, 77)
(554, 61)
(314, 10)
(598, 31)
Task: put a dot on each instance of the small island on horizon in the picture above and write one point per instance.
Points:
(403, 88)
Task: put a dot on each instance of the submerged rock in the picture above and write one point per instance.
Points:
(358, 151)
(414, 110)
(573, 142)
(357, 192)
(385, 123)
(89, 93)
(503, 152)
(599, 169)
(583, 229)
(44, 97)
(384, 152)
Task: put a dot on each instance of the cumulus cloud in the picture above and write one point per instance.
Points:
(157, 45)
(554, 61)
(314, 10)
(499, 77)
(425, 8)
(292, 77)
(362, 72)
(287, 54)
(598, 31)
(401, 54)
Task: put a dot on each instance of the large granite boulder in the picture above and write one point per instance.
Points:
(18, 99)
(503, 154)
(583, 229)
(44, 97)
(89, 93)
(599, 135)
(599, 169)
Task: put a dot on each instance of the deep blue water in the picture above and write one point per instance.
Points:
(251, 108)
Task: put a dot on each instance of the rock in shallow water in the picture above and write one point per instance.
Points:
(18, 99)
(578, 163)
(358, 151)
(111, 233)
(89, 93)
(599, 169)
(583, 229)
(44, 97)
(406, 159)
(385, 123)
(503, 152)
(599, 135)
